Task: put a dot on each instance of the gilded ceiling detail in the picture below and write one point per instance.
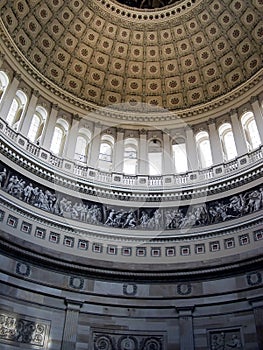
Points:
(182, 61)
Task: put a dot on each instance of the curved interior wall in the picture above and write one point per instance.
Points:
(71, 284)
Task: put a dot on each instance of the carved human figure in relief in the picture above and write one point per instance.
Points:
(3, 175)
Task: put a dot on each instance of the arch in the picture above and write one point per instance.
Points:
(4, 82)
(130, 156)
(227, 141)
(37, 124)
(82, 145)
(106, 152)
(59, 136)
(203, 149)
(250, 130)
(17, 109)
(155, 156)
(179, 155)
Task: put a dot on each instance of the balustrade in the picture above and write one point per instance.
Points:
(91, 174)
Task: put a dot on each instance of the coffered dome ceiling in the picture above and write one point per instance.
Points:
(175, 57)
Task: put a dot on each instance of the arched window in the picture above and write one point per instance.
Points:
(250, 130)
(4, 81)
(203, 149)
(227, 141)
(179, 155)
(130, 156)
(106, 152)
(155, 155)
(82, 145)
(59, 136)
(17, 109)
(37, 124)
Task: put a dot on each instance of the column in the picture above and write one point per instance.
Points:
(9, 96)
(143, 153)
(186, 328)
(191, 149)
(48, 131)
(71, 324)
(118, 151)
(69, 149)
(25, 122)
(238, 133)
(167, 154)
(258, 115)
(215, 143)
(258, 316)
(95, 146)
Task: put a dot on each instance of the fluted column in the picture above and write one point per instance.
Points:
(10, 94)
(258, 115)
(143, 153)
(71, 325)
(24, 124)
(238, 133)
(95, 146)
(186, 328)
(118, 151)
(69, 149)
(167, 154)
(48, 131)
(191, 150)
(216, 149)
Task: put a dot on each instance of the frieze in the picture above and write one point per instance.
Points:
(22, 330)
(172, 218)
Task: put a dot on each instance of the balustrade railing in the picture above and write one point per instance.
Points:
(71, 167)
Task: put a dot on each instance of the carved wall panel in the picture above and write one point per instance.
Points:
(127, 341)
(26, 331)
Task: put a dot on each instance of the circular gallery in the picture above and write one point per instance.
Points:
(131, 192)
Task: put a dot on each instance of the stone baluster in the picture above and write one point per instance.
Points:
(48, 130)
(186, 327)
(258, 115)
(216, 149)
(191, 149)
(69, 148)
(118, 151)
(95, 146)
(69, 337)
(26, 120)
(143, 153)
(239, 137)
(10, 94)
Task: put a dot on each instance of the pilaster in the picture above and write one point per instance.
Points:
(186, 327)
(71, 324)
(118, 151)
(238, 133)
(143, 153)
(24, 125)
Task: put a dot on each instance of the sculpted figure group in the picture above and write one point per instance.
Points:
(140, 218)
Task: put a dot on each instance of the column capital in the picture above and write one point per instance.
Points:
(143, 131)
(55, 106)
(73, 304)
(211, 121)
(185, 310)
(253, 99)
(120, 130)
(76, 117)
(232, 111)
